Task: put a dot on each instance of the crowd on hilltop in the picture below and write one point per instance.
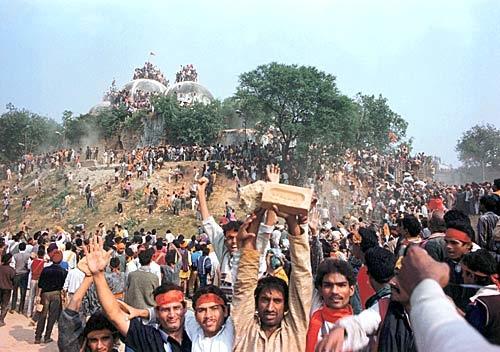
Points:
(186, 73)
(274, 281)
(150, 71)
(139, 100)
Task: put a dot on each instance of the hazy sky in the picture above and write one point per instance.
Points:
(437, 62)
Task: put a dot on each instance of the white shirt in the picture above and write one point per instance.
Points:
(437, 325)
(73, 280)
(222, 342)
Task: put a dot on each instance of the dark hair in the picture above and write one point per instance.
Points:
(489, 202)
(159, 244)
(209, 289)
(129, 252)
(146, 256)
(68, 246)
(271, 283)
(481, 261)
(436, 222)
(41, 251)
(369, 239)
(114, 263)
(78, 242)
(205, 250)
(455, 219)
(6, 257)
(22, 246)
(332, 266)
(412, 225)
(98, 321)
(232, 225)
(380, 264)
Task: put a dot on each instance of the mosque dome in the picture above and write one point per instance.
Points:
(100, 107)
(144, 85)
(188, 92)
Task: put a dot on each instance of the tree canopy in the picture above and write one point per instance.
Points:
(311, 115)
(480, 146)
(22, 131)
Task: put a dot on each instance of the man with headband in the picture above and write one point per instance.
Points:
(213, 329)
(458, 238)
(166, 335)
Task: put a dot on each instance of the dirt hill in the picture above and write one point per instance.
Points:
(47, 208)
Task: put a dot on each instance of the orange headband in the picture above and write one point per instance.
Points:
(169, 297)
(457, 235)
(209, 298)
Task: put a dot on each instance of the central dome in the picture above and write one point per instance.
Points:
(144, 85)
(189, 92)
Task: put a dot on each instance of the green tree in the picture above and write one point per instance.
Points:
(377, 123)
(194, 124)
(480, 146)
(22, 131)
(304, 105)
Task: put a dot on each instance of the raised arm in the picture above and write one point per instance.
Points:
(202, 198)
(70, 324)
(300, 287)
(97, 260)
(246, 280)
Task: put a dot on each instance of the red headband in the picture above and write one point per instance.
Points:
(209, 298)
(457, 235)
(172, 296)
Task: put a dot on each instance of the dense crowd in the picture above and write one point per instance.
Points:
(314, 283)
(150, 71)
(186, 73)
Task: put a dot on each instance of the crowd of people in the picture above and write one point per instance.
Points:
(186, 73)
(274, 281)
(150, 71)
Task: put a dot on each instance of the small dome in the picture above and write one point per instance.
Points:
(144, 85)
(188, 92)
(100, 107)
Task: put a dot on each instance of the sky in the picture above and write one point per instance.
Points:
(437, 62)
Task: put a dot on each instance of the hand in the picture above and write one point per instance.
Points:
(97, 257)
(333, 342)
(417, 266)
(132, 312)
(254, 225)
(314, 222)
(202, 184)
(247, 239)
(273, 173)
(292, 221)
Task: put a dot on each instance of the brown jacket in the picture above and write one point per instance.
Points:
(291, 336)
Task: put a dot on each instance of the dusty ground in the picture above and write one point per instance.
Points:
(43, 212)
(18, 336)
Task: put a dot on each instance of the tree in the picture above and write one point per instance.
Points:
(304, 105)
(480, 146)
(194, 124)
(379, 126)
(22, 131)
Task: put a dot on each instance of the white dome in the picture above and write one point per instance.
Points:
(145, 85)
(189, 92)
(100, 107)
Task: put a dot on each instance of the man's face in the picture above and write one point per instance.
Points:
(210, 316)
(456, 249)
(230, 240)
(270, 308)
(171, 316)
(100, 340)
(336, 291)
